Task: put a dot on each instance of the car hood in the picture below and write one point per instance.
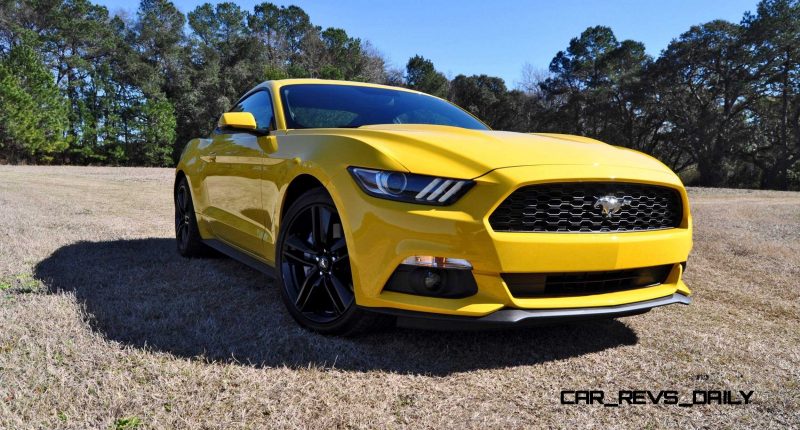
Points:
(465, 153)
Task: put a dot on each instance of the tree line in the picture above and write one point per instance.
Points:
(78, 85)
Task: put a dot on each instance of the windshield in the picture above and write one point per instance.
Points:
(348, 106)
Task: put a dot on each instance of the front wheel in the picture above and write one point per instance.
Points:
(314, 269)
(187, 233)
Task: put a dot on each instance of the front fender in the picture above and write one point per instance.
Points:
(325, 158)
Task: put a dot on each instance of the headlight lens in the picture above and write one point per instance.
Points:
(407, 187)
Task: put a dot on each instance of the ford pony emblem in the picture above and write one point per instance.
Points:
(611, 205)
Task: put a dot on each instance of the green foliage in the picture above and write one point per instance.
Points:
(705, 83)
(108, 90)
(272, 73)
(486, 97)
(721, 100)
(158, 137)
(773, 33)
(596, 83)
(127, 423)
(33, 118)
(422, 76)
(720, 105)
(20, 284)
(330, 71)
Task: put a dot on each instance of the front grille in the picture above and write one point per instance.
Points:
(536, 285)
(574, 207)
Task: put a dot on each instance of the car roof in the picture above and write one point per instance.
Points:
(275, 84)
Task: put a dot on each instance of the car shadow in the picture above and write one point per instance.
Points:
(142, 293)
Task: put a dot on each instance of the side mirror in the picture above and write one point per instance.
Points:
(268, 144)
(237, 121)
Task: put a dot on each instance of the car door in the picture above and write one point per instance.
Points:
(233, 183)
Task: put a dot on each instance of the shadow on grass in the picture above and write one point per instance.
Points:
(142, 293)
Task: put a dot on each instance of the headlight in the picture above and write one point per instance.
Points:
(407, 187)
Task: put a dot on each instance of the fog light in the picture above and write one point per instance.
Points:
(432, 280)
(438, 262)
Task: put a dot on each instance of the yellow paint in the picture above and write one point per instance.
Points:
(239, 197)
(240, 120)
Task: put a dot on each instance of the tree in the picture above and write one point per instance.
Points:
(487, 98)
(705, 81)
(159, 65)
(281, 31)
(78, 40)
(595, 89)
(158, 132)
(343, 55)
(158, 37)
(532, 80)
(579, 79)
(34, 116)
(224, 64)
(422, 76)
(773, 33)
(722, 101)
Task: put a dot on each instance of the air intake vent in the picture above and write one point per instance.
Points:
(538, 285)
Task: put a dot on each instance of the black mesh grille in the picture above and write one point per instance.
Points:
(534, 285)
(571, 207)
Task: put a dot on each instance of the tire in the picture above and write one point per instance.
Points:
(187, 234)
(314, 271)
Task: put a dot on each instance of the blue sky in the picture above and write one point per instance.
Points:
(496, 37)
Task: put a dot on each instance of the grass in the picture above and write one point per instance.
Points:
(102, 325)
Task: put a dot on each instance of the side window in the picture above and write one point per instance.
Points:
(260, 105)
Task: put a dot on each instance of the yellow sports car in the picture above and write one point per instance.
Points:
(373, 204)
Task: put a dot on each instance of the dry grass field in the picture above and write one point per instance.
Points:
(103, 325)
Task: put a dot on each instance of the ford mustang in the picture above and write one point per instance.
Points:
(374, 205)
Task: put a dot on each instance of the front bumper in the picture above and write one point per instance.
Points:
(382, 233)
(524, 317)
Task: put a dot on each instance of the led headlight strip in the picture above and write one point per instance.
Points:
(408, 187)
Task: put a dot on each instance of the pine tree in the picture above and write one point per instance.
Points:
(33, 115)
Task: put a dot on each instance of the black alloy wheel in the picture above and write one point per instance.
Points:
(314, 268)
(187, 234)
